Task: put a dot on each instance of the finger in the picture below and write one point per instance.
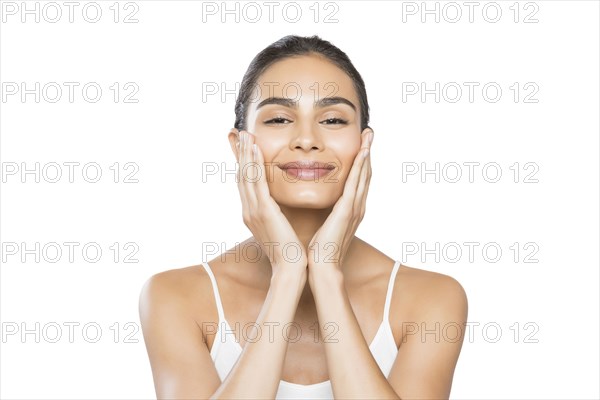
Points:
(365, 195)
(237, 145)
(366, 168)
(363, 187)
(346, 201)
(261, 186)
(369, 175)
(259, 182)
(240, 176)
(251, 170)
(245, 174)
(370, 172)
(354, 175)
(238, 158)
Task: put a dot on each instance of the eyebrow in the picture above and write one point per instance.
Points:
(324, 102)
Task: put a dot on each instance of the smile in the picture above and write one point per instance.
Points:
(307, 170)
(307, 174)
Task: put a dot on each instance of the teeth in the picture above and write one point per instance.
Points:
(307, 168)
(300, 165)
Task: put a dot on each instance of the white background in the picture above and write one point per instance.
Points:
(171, 132)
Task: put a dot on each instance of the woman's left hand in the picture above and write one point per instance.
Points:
(328, 246)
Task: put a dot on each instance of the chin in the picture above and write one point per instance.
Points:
(315, 198)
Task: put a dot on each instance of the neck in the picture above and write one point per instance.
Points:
(305, 221)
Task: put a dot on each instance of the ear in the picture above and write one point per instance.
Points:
(234, 139)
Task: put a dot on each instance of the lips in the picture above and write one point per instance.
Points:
(307, 170)
(307, 164)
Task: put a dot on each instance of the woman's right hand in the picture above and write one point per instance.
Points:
(262, 215)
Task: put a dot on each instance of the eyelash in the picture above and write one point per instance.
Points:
(339, 121)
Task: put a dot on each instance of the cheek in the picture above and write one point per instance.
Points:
(269, 148)
(269, 145)
(346, 151)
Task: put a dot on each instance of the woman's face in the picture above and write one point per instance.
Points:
(305, 109)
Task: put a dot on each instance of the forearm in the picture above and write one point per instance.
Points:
(352, 369)
(258, 370)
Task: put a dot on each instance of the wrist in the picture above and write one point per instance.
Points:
(289, 277)
(329, 267)
(325, 275)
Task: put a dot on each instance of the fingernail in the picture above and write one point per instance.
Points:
(371, 137)
(366, 153)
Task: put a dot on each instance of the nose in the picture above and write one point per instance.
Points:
(306, 137)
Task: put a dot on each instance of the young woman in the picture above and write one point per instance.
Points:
(318, 313)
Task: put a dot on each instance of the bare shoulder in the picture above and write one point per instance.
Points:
(431, 293)
(171, 309)
(183, 289)
(179, 283)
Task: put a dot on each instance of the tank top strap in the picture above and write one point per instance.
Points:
(390, 289)
(215, 291)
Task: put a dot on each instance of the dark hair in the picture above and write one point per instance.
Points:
(290, 46)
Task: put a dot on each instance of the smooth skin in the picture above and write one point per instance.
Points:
(334, 291)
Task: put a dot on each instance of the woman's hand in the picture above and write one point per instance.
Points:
(262, 214)
(328, 246)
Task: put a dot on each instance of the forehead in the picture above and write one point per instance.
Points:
(306, 78)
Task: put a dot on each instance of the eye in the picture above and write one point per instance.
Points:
(335, 121)
(276, 120)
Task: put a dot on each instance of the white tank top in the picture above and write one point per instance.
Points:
(226, 350)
